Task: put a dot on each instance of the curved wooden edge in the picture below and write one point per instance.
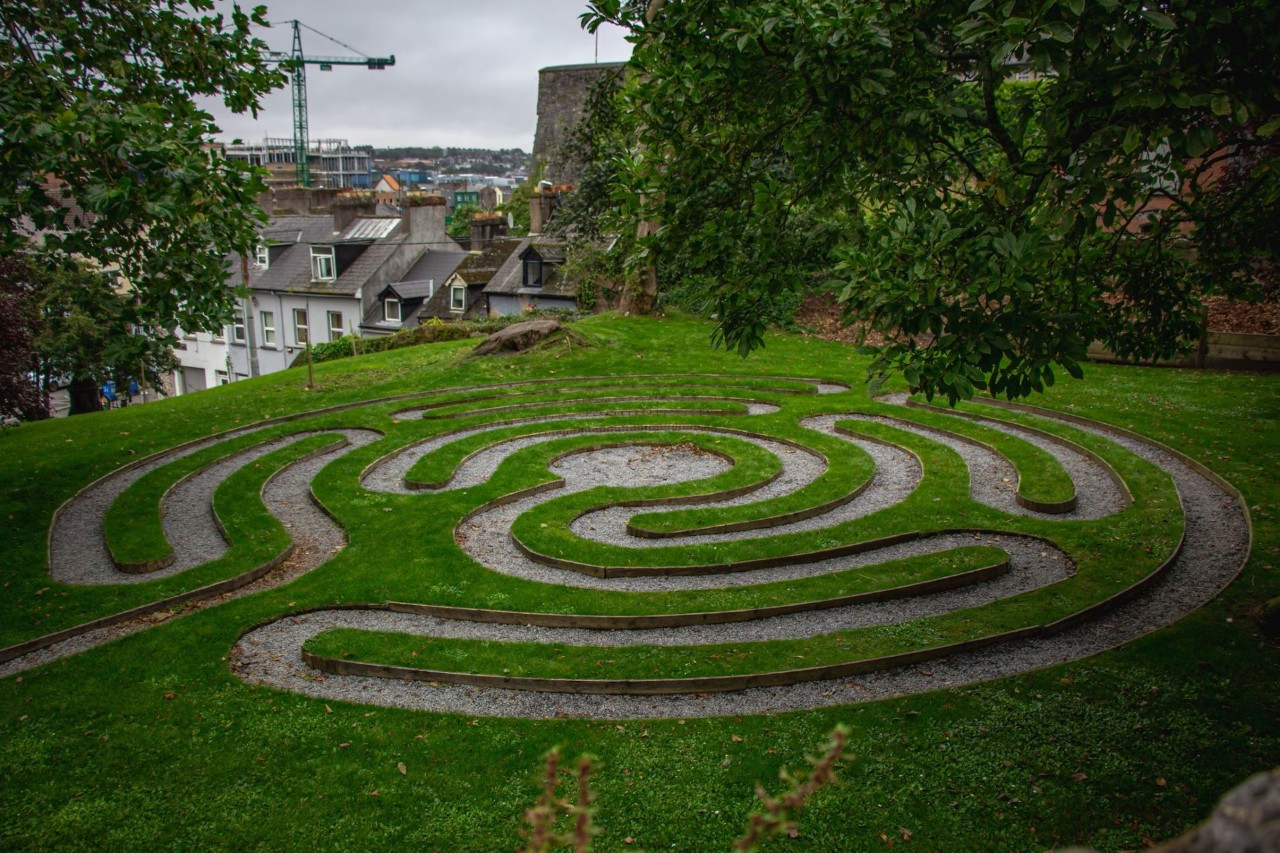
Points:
(645, 622)
(603, 571)
(729, 683)
(1047, 507)
(413, 395)
(209, 591)
(1106, 466)
(418, 485)
(591, 401)
(662, 686)
(164, 562)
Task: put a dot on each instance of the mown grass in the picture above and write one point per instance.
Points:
(150, 742)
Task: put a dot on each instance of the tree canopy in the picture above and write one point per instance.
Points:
(104, 148)
(992, 184)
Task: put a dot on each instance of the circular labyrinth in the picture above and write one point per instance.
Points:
(653, 546)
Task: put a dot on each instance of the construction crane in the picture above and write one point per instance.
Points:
(296, 62)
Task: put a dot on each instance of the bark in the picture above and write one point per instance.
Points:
(84, 395)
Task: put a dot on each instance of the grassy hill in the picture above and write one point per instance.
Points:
(151, 741)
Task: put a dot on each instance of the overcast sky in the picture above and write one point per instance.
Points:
(466, 71)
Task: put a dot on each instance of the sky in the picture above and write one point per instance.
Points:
(466, 72)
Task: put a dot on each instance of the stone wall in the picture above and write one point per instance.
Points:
(562, 90)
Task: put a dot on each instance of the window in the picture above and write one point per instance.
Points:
(268, 328)
(533, 272)
(335, 325)
(391, 310)
(237, 326)
(322, 266)
(458, 298)
(262, 257)
(221, 376)
(300, 326)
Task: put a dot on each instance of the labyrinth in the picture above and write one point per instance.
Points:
(654, 546)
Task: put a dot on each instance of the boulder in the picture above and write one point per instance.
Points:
(519, 337)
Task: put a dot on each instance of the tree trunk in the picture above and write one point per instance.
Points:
(84, 395)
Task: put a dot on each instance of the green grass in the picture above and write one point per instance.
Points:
(150, 742)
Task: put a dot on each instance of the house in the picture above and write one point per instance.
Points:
(315, 279)
(398, 304)
(388, 190)
(531, 277)
(462, 296)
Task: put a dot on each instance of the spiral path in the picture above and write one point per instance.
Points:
(660, 515)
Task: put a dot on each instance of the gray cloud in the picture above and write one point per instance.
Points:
(466, 74)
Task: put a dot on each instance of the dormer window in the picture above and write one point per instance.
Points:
(533, 272)
(458, 298)
(262, 256)
(391, 310)
(323, 267)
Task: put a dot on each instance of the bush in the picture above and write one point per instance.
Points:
(432, 331)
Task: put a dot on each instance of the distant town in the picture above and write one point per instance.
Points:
(336, 164)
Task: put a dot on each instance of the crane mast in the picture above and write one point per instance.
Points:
(296, 62)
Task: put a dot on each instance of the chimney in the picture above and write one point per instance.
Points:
(543, 203)
(423, 218)
(485, 228)
(349, 206)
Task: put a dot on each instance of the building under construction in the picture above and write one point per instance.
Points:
(334, 163)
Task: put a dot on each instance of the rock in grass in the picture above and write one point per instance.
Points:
(522, 336)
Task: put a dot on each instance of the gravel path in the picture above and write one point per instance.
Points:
(388, 473)
(1214, 551)
(993, 481)
(317, 538)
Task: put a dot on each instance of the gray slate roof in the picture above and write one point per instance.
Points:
(510, 279)
(291, 270)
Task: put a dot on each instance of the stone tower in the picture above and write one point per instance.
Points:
(562, 91)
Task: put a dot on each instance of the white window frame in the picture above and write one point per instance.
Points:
(335, 332)
(268, 320)
(237, 325)
(301, 331)
(387, 313)
(456, 304)
(323, 265)
(262, 256)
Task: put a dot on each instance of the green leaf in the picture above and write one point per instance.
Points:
(1159, 20)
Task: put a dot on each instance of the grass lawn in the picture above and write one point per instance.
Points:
(151, 742)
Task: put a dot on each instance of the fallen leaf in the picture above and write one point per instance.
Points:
(404, 771)
(1162, 782)
(1078, 777)
(374, 792)
(328, 710)
(736, 739)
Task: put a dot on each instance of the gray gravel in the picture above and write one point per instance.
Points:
(993, 481)
(388, 473)
(1214, 552)
(287, 496)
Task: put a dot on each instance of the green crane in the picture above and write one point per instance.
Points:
(296, 62)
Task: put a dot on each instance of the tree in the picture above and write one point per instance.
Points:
(88, 331)
(460, 225)
(21, 395)
(992, 228)
(105, 152)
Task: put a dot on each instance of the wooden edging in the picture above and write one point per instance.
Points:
(796, 676)
(199, 594)
(164, 562)
(644, 622)
(1067, 443)
(418, 485)
(215, 589)
(213, 438)
(1047, 507)
(729, 683)
(630, 398)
